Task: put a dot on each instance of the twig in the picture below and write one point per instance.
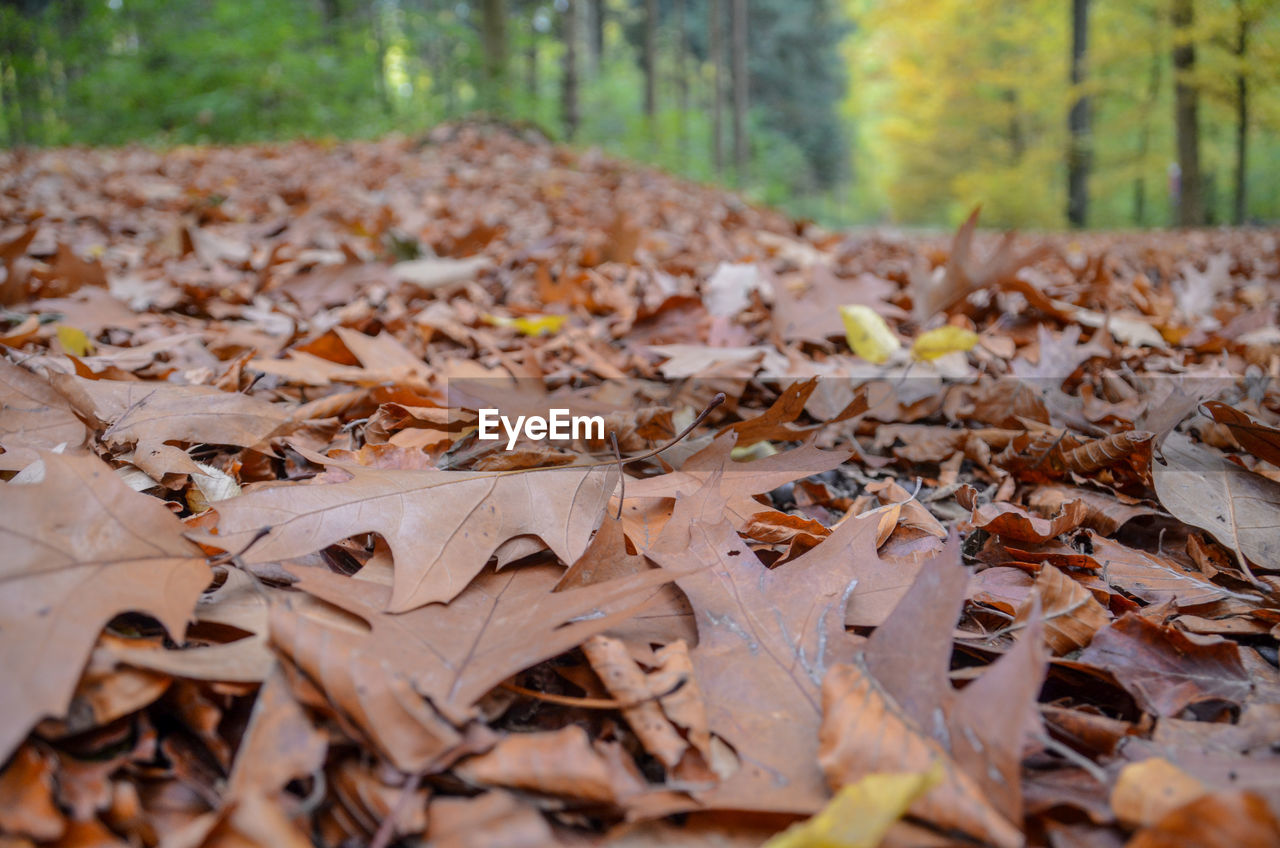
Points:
(387, 829)
(622, 476)
(590, 703)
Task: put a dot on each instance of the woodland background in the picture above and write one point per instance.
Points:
(847, 111)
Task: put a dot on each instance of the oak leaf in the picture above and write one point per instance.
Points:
(441, 526)
(147, 416)
(765, 641)
(1202, 488)
(1164, 669)
(452, 655)
(33, 417)
(80, 548)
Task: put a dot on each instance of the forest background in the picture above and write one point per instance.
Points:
(1050, 113)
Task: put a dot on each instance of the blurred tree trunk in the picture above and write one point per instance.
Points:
(494, 35)
(740, 143)
(1144, 139)
(1187, 116)
(682, 76)
(1242, 116)
(531, 63)
(651, 61)
(1079, 156)
(716, 41)
(569, 93)
(596, 39)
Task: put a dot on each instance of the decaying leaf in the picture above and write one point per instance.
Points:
(1241, 509)
(1164, 669)
(441, 526)
(450, 655)
(80, 548)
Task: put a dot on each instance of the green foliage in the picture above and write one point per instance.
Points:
(959, 102)
(909, 111)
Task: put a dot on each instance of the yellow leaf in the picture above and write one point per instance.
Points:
(534, 325)
(861, 813)
(868, 335)
(74, 341)
(944, 340)
(746, 453)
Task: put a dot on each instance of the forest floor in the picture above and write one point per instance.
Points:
(962, 539)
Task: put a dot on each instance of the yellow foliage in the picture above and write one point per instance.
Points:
(861, 813)
(74, 340)
(868, 334)
(944, 340)
(530, 325)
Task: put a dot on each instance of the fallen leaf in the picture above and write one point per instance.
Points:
(561, 762)
(867, 334)
(1071, 614)
(1229, 819)
(442, 526)
(501, 624)
(765, 641)
(147, 417)
(1239, 508)
(1146, 791)
(33, 417)
(81, 548)
(1014, 522)
(1164, 669)
(941, 341)
(861, 813)
(1259, 439)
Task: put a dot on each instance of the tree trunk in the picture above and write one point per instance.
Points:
(740, 150)
(716, 41)
(596, 41)
(1187, 116)
(682, 75)
(569, 93)
(1144, 140)
(531, 66)
(651, 61)
(1079, 154)
(1242, 117)
(493, 27)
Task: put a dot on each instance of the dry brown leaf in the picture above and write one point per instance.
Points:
(1014, 522)
(496, 818)
(627, 683)
(1071, 614)
(1164, 669)
(441, 526)
(562, 763)
(885, 712)
(502, 623)
(1146, 791)
(739, 481)
(1259, 439)
(146, 417)
(1229, 819)
(865, 732)
(80, 548)
(33, 417)
(27, 807)
(1241, 509)
(765, 641)
(1151, 577)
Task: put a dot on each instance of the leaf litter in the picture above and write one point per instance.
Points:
(978, 547)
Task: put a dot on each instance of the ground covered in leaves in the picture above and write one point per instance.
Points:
(981, 545)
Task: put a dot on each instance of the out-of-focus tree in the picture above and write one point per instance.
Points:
(1078, 119)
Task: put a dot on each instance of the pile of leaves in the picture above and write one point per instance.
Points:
(909, 540)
